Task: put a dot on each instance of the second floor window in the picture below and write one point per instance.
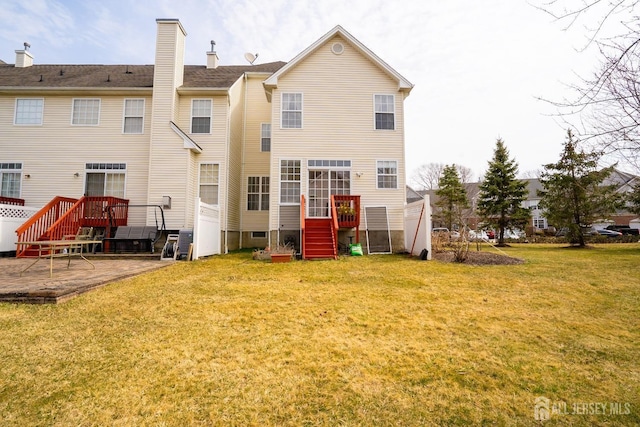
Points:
(384, 112)
(291, 110)
(86, 112)
(265, 137)
(201, 116)
(133, 115)
(29, 111)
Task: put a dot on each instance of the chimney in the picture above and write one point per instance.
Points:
(23, 57)
(212, 56)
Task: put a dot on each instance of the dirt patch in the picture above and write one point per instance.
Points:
(480, 258)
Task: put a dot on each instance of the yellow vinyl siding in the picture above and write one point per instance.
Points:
(256, 162)
(54, 151)
(338, 123)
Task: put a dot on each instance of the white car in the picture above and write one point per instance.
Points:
(478, 235)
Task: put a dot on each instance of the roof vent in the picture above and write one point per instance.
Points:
(337, 48)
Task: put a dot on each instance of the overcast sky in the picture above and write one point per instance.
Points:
(477, 66)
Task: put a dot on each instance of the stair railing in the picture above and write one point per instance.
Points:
(302, 224)
(35, 228)
(334, 226)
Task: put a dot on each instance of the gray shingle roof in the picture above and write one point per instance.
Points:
(122, 76)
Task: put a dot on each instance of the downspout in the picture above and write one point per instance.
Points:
(226, 204)
(244, 147)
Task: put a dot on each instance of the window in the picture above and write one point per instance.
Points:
(385, 111)
(265, 137)
(292, 110)
(258, 193)
(387, 174)
(209, 182)
(10, 174)
(540, 223)
(133, 116)
(258, 234)
(86, 112)
(201, 116)
(290, 181)
(105, 179)
(29, 111)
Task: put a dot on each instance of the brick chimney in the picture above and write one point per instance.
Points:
(23, 57)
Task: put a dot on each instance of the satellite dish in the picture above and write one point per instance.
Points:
(250, 57)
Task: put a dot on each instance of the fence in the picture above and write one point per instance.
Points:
(206, 230)
(12, 217)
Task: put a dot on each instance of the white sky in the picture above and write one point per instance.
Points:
(477, 66)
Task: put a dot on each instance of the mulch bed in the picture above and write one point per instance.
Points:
(480, 258)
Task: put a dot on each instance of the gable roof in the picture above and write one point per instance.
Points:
(120, 76)
(403, 84)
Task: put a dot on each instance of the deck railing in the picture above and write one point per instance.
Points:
(35, 228)
(334, 227)
(11, 201)
(348, 212)
(302, 220)
(62, 218)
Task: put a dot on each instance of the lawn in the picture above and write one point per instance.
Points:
(378, 340)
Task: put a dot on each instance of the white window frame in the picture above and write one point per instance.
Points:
(282, 110)
(216, 182)
(73, 109)
(375, 111)
(264, 186)
(385, 164)
(210, 116)
(265, 134)
(28, 123)
(125, 116)
(281, 181)
(107, 168)
(11, 168)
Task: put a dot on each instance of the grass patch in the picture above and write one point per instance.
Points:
(376, 340)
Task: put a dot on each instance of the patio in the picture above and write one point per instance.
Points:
(36, 287)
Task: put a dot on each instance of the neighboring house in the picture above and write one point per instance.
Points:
(248, 139)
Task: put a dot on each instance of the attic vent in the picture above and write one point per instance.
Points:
(337, 48)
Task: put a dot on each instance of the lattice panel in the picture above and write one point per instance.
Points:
(10, 211)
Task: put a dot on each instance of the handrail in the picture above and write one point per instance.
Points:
(11, 201)
(35, 227)
(302, 221)
(64, 216)
(334, 226)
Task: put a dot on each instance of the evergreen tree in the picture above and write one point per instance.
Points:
(501, 194)
(634, 200)
(573, 196)
(452, 198)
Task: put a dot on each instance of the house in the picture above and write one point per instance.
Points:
(265, 145)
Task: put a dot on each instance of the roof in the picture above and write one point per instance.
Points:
(403, 84)
(121, 76)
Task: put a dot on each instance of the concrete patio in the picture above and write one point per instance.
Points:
(36, 287)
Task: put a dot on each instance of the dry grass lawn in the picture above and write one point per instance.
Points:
(379, 340)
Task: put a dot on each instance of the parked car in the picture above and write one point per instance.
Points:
(624, 229)
(608, 233)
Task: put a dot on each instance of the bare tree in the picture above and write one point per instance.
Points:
(427, 176)
(607, 104)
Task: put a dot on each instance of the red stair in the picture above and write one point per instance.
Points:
(319, 239)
